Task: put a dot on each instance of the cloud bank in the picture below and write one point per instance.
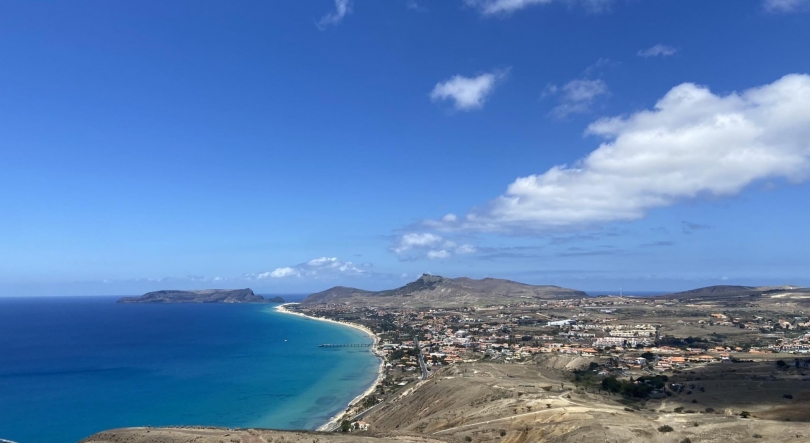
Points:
(467, 93)
(693, 143)
(315, 268)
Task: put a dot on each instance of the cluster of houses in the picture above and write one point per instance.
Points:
(466, 334)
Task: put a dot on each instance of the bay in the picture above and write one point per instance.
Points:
(73, 366)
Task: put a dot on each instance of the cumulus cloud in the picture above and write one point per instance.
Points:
(467, 93)
(411, 241)
(342, 9)
(279, 273)
(785, 5)
(504, 7)
(315, 268)
(438, 254)
(693, 143)
(416, 245)
(657, 50)
(576, 96)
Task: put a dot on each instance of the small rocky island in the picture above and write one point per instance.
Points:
(202, 296)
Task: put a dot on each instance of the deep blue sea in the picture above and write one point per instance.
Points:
(73, 366)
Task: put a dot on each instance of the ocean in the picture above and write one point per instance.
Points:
(73, 366)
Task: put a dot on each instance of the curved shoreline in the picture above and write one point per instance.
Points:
(380, 370)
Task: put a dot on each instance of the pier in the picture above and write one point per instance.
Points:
(345, 345)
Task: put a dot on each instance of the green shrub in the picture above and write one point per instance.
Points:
(745, 414)
(665, 428)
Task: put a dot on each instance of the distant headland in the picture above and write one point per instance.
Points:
(202, 296)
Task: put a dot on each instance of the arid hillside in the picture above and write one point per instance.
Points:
(436, 291)
(217, 435)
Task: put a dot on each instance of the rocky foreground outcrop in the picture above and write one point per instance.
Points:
(201, 296)
(213, 435)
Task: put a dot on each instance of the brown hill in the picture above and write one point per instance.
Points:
(200, 296)
(436, 291)
(727, 292)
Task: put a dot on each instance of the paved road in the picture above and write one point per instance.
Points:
(421, 359)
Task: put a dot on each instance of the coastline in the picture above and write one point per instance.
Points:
(335, 420)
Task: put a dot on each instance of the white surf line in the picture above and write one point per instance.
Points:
(334, 421)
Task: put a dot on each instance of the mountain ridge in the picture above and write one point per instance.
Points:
(434, 290)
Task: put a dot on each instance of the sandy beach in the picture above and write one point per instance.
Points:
(380, 371)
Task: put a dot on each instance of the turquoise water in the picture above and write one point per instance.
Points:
(73, 366)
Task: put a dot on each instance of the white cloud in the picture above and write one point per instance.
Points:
(315, 268)
(466, 249)
(503, 7)
(279, 273)
(438, 254)
(694, 143)
(785, 5)
(342, 9)
(426, 245)
(576, 96)
(467, 93)
(415, 241)
(657, 50)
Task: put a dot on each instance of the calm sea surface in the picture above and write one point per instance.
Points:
(73, 366)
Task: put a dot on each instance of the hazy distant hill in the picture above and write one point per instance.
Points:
(724, 292)
(433, 290)
(200, 296)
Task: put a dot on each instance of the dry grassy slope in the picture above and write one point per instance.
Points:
(482, 401)
(435, 291)
(177, 435)
(536, 402)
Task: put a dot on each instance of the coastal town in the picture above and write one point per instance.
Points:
(615, 337)
(498, 361)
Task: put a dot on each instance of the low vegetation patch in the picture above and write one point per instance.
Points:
(639, 388)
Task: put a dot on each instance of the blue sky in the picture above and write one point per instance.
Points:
(290, 146)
